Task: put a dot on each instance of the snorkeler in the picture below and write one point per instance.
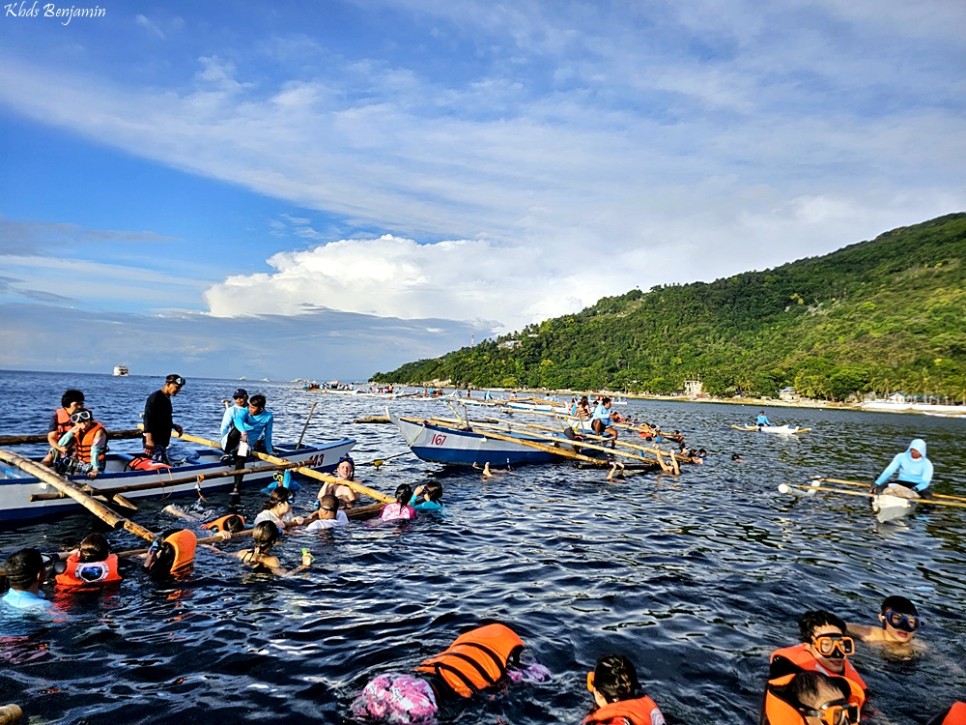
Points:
(899, 622)
(476, 661)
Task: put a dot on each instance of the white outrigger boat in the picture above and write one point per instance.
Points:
(25, 497)
(779, 429)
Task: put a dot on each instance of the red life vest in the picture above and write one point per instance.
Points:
(219, 524)
(804, 660)
(84, 443)
(476, 660)
(642, 711)
(89, 573)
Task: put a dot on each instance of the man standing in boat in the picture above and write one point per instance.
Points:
(159, 419)
(255, 426)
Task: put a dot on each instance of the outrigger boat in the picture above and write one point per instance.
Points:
(25, 497)
(780, 429)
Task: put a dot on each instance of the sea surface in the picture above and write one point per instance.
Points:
(697, 578)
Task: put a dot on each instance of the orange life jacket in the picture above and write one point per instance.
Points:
(642, 711)
(956, 714)
(64, 423)
(184, 543)
(476, 660)
(88, 573)
(85, 441)
(803, 660)
(218, 524)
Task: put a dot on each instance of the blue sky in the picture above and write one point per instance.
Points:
(323, 190)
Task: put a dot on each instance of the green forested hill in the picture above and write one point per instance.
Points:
(883, 315)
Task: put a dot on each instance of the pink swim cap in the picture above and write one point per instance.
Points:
(397, 698)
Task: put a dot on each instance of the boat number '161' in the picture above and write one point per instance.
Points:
(439, 439)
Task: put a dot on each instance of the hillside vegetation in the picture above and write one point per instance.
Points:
(878, 316)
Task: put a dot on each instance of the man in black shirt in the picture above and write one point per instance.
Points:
(159, 419)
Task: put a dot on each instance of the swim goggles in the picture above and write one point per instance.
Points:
(80, 416)
(837, 712)
(176, 380)
(828, 644)
(905, 622)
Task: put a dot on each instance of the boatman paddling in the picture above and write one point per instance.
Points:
(762, 420)
(912, 469)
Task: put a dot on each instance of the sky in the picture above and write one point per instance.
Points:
(323, 190)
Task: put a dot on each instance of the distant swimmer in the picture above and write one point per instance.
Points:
(618, 696)
(911, 468)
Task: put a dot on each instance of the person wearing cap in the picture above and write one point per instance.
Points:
(87, 443)
(26, 571)
(70, 402)
(230, 429)
(159, 419)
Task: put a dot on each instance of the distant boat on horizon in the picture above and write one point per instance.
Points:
(120, 371)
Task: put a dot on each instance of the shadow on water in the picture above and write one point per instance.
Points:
(697, 578)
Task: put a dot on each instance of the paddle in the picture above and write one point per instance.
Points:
(307, 472)
(306, 426)
(69, 488)
(868, 485)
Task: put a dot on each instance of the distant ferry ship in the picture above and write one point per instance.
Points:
(120, 371)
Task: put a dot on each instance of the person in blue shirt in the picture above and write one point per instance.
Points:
(426, 497)
(256, 424)
(26, 571)
(602, 421)
(911, 468)
(231, 413)
(762, 419)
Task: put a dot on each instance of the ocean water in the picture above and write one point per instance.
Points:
(697, 578)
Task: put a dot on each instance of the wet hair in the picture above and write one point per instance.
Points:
(71, 396)
(899, 604)
(329, 503)
(164, 554)
(258, 400)
(615, 678)
(817, 618)
(605, 401)
(433, 489)
(404, 492)
(277, 496)
(352, 468)
(702, 452)
(805, 688)
(265, 536)
(94, 547)
(23, 568)
(735, 456)
(233, 524)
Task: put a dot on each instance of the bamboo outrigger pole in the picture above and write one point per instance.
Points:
(69, 488)
(307, 472)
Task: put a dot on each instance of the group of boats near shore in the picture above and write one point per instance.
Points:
(495, 436)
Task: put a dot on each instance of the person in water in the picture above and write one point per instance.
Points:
(328, 516)
(825, 647)
(278, 510)
(911, 468)
(427, 497)
(86, 443)
(400, 509)
(26, 571)
(809, 698)
(762, 420)
(618, 696)
(477, 660)
(172, 554)
(736, 457)
(898, 619)
(259, 557)
(345, 471)
(90, 565)
(70, 402)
